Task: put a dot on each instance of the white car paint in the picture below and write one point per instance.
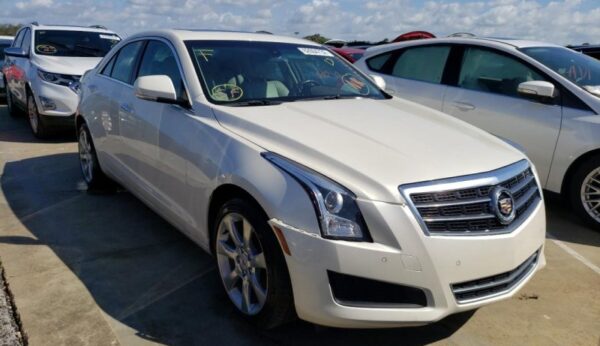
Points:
(176, 159)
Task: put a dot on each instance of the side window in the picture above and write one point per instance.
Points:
(159, 59)
(485, 70)
(26, 44)
(18, 39)
(107, 70)
(422, 63)
(125, 62)
(377, 63)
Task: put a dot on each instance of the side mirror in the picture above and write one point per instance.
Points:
(379, 81)
(158, 88)
(537, 88)
(16, 52)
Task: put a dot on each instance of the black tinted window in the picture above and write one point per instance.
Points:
(376, 63)
(488, 71)
(125, 63)
(26, 44)
(422, 63)
(159, 60)
(107, 70)
(73, 43)
(18, 39)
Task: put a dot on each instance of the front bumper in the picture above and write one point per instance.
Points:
(410, 258)
(63, 99)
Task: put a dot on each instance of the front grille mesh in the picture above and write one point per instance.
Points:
(465, 292)
(469, 211)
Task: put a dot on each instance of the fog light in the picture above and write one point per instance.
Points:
(47, 103)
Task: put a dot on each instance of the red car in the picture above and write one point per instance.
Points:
(350, 54)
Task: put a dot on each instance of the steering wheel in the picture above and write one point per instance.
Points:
(307, 84)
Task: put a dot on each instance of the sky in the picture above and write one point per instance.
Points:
(558, 21)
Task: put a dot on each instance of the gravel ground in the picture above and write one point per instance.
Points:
(9, 330)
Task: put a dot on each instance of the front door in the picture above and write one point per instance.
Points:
(486, 96)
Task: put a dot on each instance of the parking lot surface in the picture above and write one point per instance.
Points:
(89, 269)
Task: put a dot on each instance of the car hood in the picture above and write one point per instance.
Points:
(66, 65)
(370, 146)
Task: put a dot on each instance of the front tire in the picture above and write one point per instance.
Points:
(251, 264)
(38, 128)
(584, 192)
(88, 161)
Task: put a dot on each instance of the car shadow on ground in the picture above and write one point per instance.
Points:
(145, 274)
(564, 225)
(16, 129)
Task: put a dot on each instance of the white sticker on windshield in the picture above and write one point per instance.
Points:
(315, 51)
(110, 37)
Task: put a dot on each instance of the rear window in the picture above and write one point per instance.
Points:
(73, 43)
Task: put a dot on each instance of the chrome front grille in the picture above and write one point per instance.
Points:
(463, 205)
(466, 292)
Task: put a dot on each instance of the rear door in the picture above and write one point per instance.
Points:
(415, 73)
(129, 129)
(486, 96)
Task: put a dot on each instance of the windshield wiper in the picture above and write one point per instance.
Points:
(253, 103)
(329, 97)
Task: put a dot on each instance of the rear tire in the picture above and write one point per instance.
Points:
(584, 192)
(38, 127)
(249, 258)
(95, 179)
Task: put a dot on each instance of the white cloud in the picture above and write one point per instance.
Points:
(559, 21)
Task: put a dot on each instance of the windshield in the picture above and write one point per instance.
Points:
(576, 67)
(73, 43)
(255, 73)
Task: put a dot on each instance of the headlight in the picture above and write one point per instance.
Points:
(335, 206)
(61, 79)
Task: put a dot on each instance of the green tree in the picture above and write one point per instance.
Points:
(9, 29)
(316, 38)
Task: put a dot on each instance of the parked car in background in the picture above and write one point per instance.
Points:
(5, 42)
(542, 97)
(349, 53)
(42, 71)
(592, 50)
(318, 193)
(413, 35)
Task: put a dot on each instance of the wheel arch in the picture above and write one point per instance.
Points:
(219, 196)
(566, 182)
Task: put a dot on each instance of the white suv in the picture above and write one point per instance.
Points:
(313, 188)
(43, 67)
(543, 98)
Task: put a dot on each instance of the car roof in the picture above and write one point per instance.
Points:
(6, 38)
(221, 35)
(486, 41)
(70, 28)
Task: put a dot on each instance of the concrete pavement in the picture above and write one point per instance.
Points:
(90, 269)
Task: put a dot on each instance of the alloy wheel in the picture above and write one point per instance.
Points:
(86, 158)
(32, 113)
(590, 194)
(242, 263)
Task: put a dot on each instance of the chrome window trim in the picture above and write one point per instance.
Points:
(107, 58)
(494, 177)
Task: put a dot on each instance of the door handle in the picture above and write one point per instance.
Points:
(464, 106)
(125, 108)
(93, 87)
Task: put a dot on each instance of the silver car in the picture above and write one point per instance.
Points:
(542, 98)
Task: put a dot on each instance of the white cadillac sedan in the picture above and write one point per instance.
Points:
(319, 195)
